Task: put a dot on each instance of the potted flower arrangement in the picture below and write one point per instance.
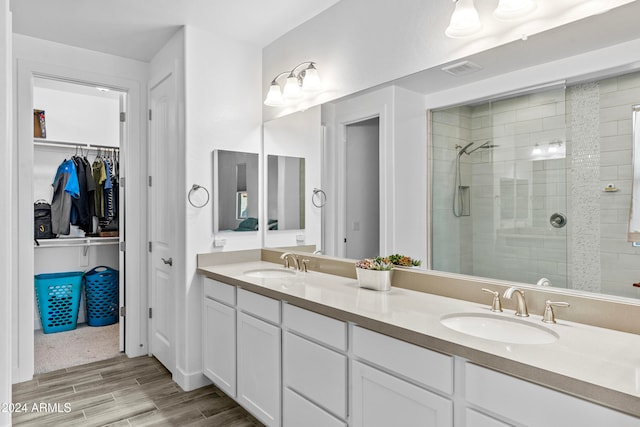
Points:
(374, 273)
(403, 261)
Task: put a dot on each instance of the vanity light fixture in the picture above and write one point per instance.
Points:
(554, 146)
(465, 20)
(299, 81)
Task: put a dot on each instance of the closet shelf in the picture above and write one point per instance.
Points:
(42, 142)
(76, 241)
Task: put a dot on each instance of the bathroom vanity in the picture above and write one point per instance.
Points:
(314, 349)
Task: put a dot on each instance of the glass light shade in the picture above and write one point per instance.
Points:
(274, 96)
(536, 150)
(292, 88)
(509, 10)
(464, 20)
(311, 80)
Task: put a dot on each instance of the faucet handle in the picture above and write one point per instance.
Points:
(548, 316)
(496, 305)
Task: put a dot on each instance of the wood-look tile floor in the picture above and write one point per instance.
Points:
(122, 392)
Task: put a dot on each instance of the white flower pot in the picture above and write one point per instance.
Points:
(378, 280)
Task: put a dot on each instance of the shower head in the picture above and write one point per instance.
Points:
(464, 150)
(486, 145)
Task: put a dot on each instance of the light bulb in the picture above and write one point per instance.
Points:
(536, 150)
(509, 10)
(274, 96)
(464, 20)
(291, 88)
(311, 79)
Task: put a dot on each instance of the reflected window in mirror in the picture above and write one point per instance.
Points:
(285, 193)
(236, 185)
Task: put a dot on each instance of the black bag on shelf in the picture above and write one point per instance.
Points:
(42, 220)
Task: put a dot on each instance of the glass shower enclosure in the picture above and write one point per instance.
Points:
(537, 186)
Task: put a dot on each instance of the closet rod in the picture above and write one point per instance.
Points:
(82, 241)
(70, 144)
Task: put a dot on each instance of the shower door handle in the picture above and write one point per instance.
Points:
(558, 220)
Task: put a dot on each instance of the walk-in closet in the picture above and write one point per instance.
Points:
(78, 130)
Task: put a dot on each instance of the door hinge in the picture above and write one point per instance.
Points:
(122, 178)
(149, 113)
(123, 311)
(150, 313)
(123, 246)
(150, 247)
(150, 181)
(123, 116)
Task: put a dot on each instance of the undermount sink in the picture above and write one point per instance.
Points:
(499, 328)
(270, 273)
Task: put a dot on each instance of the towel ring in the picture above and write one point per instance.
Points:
(319, 198)
(194, 190)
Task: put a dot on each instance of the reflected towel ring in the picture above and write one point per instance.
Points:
(200, 201)
(319, 198)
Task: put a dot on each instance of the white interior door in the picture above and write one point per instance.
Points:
(162, 217)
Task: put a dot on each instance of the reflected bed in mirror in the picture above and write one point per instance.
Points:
(235, 191)
(285, 193)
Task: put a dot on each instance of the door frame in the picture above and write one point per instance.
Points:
(379, 106)
(23, 290)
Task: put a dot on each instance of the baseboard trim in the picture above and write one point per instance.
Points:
(190, 381)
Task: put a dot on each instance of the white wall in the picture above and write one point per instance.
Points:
(222, 111)
(5, 212)
(79, 117)
(34, 56)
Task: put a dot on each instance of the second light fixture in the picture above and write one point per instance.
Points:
(299, 81)
(465, 20)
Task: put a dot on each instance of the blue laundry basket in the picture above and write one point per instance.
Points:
(58, 297)
(101, 296)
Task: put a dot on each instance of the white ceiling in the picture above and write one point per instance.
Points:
(137, 29)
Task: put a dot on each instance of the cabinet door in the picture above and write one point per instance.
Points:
(317, 373)
(300, 412)
(259, 368)
(219, 357)
(382, 400)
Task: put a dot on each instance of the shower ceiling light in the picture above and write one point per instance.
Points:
(299, 82)
(465, 20)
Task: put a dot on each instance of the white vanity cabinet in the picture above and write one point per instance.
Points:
(520, 402)
(219, 335)
(259, 356)
(314, 369)
(399, 384)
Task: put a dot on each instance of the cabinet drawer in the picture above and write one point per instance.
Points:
(219, 291)
(317, 373)
(321, 328)
(260, 306)
(478, 419)
(383, 400)
(425, 366)
(530, 404)
(300, 412)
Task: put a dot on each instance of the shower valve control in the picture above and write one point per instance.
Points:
(558, 220)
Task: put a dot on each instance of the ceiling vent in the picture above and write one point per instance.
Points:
(461, 68)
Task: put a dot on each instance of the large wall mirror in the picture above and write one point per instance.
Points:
(285, 193)
(235, 191)
(538, 186)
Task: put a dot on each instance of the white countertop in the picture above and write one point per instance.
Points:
(602, 357)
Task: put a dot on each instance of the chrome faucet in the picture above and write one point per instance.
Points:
(521, 304)
(289, 257)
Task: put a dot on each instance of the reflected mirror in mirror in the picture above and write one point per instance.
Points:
(236, 204)
(524, 162)
(285, 193)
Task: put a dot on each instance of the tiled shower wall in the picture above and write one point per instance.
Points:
(515, 190)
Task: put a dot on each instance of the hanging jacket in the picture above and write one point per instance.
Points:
(65, 188)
